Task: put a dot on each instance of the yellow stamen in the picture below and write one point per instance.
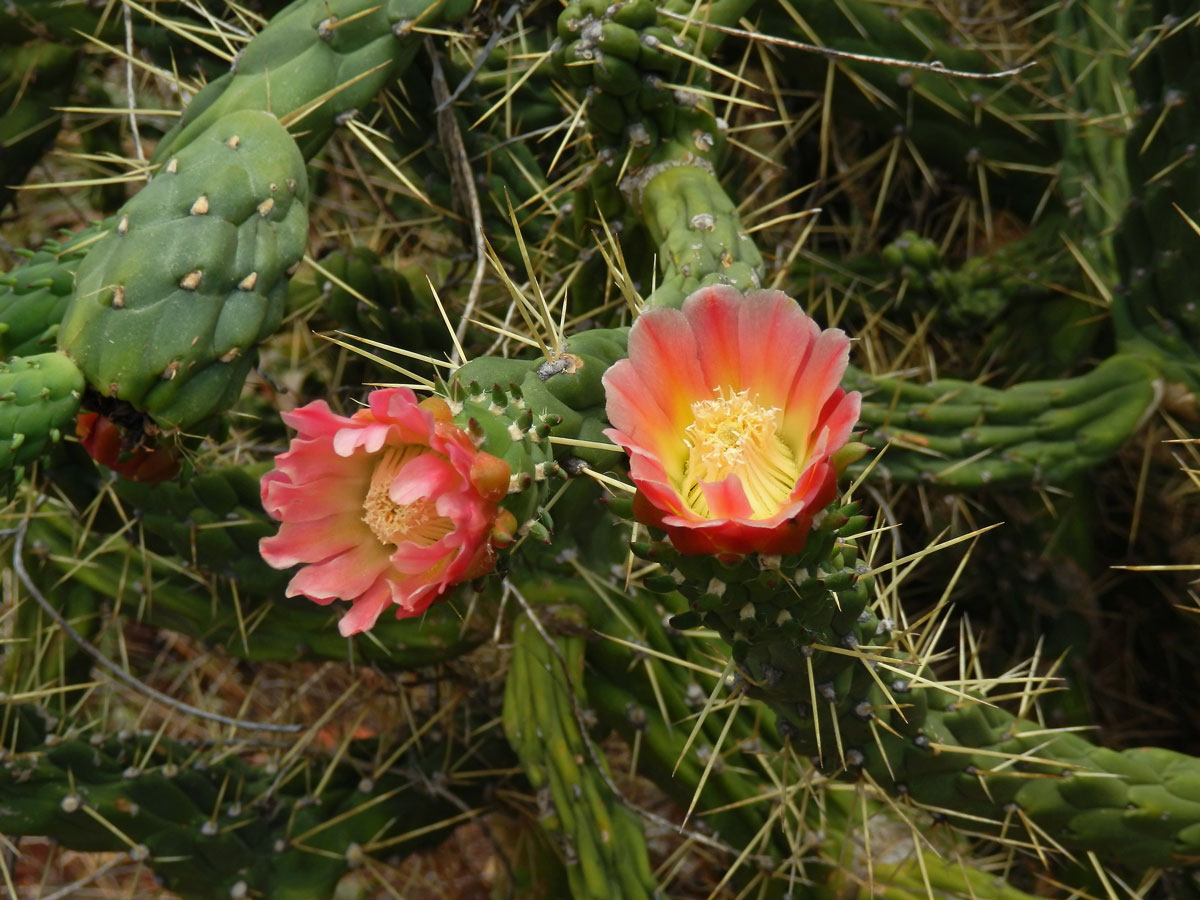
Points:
(392, 522)
(734, 435)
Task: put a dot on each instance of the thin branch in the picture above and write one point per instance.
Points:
(830, 53)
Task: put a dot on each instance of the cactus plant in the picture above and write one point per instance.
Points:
(691, 704)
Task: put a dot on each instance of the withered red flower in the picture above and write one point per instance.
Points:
(390, 506)
(106, 443)
(730, 409)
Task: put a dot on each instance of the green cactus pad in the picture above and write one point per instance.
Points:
(170, 304)
(960, 434)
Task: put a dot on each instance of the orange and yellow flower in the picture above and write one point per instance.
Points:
(390, 506)
(730, 409)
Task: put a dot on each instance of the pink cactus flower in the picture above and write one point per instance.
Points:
(730, 409)
(392, 505)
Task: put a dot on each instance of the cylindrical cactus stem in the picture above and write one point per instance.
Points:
(659, 141)
(171, 303)
(631, 700)
(1010, 298)
(211, 825)
(315, 62)
(849, 692)
(960, 434)
(602, 840)
(696, 227)
(39, 398)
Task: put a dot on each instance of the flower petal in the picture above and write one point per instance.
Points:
(346, 575)
(640, 421)
(713, 315)
(312, 540)
(367, 607)
(727, 499)
(774, 336)
(812, 386)
(757, 354)
(315, 499)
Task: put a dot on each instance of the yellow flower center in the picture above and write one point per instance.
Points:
(734, 435)
(392, 522)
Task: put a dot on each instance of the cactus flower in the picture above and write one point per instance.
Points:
(392, 505)
(731, 408)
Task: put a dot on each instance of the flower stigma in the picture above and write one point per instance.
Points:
(394, 523)
(733, 435)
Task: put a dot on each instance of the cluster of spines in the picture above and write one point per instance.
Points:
(980, 131)
(355, 291)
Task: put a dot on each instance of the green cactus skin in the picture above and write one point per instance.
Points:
(786, 619)
(324, 59)
(211, 825)
(170, 304)
(39, 398)
(34, 295)
(602, 841)
(275, 629)
(696, 227)
(512, 408)
(963, 435)
(1011, 296)
(1157, 310)
(618, 56)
